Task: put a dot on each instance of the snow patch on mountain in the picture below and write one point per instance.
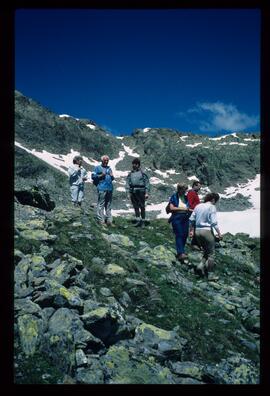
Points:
(251, 140)
(91, 126)
(62, 162)
(249, 189)
(114, 162)
(166, 173)
(193, 178)
(121, 189)
(224, 136)
(90, 162)
(130, 151)
(172, 172)
(67, 116)
(247, 221)
(193, 145)
(163, 174)
(64, 115)
(231, 143)
(58, 161)
(155, 180)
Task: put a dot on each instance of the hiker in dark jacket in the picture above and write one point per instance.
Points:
(193, 201)
(103, 178)
(180, 219)
(137, 185)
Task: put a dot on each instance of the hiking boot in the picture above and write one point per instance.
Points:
(136, 220)
(138, 224)
(196, 248)
(182, 257)
(213, 278)
(102, 224)
(210, 264)
(199, 270)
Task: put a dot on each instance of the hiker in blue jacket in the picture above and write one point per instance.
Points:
(77, 177)
(179, 208)
(102, 177)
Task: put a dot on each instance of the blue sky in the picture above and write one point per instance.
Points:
(192, 70)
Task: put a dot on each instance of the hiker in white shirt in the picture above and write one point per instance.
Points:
(204, 218)
(77, 177)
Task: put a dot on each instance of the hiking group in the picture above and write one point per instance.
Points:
(189, 216)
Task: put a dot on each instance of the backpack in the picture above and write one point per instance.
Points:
(130, 176)
(96, 180)
(167, 209)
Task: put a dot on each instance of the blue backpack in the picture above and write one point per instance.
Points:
(96, 179)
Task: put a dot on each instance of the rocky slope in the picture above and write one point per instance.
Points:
(168, 156)
(112, 306)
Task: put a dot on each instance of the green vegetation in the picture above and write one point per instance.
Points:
(213, 317)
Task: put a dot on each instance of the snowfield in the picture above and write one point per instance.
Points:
(246, 221)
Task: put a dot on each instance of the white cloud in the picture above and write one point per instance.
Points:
(221, 116)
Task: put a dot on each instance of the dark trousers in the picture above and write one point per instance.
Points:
(138, 201)
(180, 227)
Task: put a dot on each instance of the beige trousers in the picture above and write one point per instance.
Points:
(206, 240)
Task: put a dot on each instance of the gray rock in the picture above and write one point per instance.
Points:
(22, 291)
(233, 370)
(118, 239)
(45, 250)
(250, 345)
(98, 261)
(88, 376)
(48, 312)
(135, 282)
(26, 306)
(125, 299)
(31, 330)
(21, 271)
(104, 291)
(64, 320)
(90, 305)
(81, 359)
(187, 369)
(66, 333)
(167, 343)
